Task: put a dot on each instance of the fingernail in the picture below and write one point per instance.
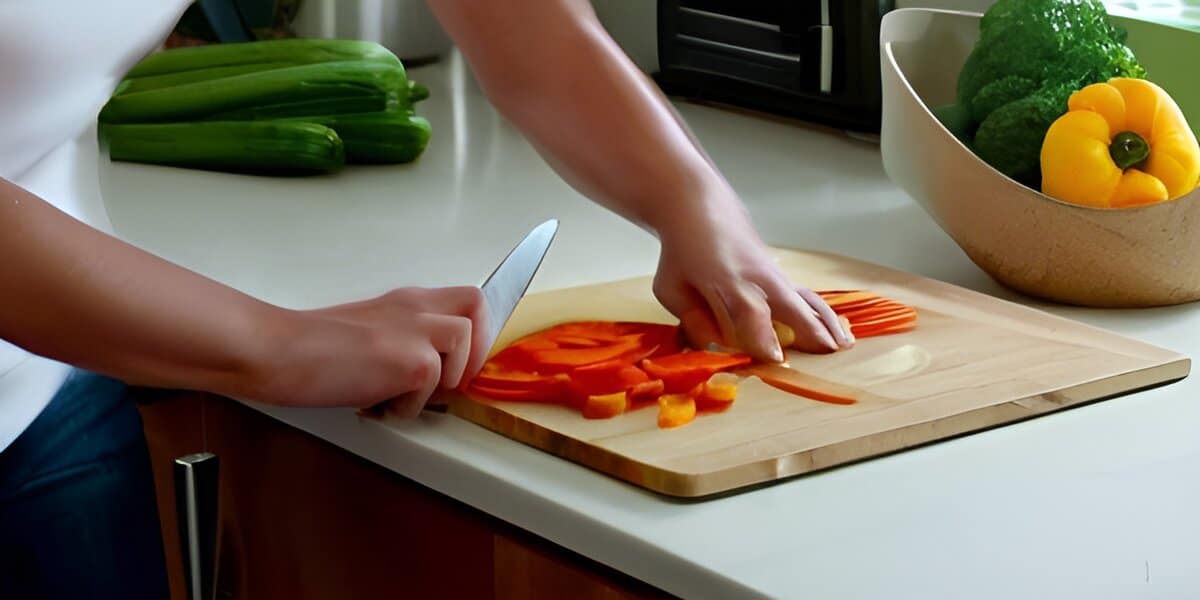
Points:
(776, 354)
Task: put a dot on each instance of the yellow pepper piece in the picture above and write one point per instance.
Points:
(1122, 143)
(784, 334)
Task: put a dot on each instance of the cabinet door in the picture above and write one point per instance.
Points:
(301, 518)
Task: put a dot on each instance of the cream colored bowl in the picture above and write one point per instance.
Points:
(1037, 245)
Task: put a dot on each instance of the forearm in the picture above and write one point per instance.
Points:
(550, 68)
(74, 294)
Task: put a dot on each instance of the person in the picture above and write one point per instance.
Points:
(84, 314)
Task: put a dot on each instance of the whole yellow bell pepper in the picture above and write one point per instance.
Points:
(1122, 143)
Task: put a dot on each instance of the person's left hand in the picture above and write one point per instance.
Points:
(717, 275)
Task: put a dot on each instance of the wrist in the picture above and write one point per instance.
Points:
(707, 209)
(275, 338)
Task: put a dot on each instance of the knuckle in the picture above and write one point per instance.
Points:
(471, 295)
(402, 295)
(423, 366)
(462, 328)
(396, 293)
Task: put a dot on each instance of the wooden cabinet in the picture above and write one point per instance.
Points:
(301, 518)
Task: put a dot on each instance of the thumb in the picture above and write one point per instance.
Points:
(695, 317)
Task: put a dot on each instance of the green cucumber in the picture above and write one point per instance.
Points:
(371, 84)
(154, 82)
(255, 147)
(288, 51)
(389, 137)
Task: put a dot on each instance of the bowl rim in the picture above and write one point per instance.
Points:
(886, 49)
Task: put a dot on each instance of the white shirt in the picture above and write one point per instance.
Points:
(59, 62)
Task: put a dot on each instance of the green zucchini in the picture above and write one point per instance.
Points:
(371, 84)
(288, 51)
(283, 110)
(154, 82)
(416, 92)
(389, 137)
(255, 147)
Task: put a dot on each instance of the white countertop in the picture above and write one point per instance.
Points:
(1095, 502)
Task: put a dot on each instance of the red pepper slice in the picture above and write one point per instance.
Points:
(647, 390)
(605, 378)
(684, 371)
(576, 341)
(526, 395)
(560, 360)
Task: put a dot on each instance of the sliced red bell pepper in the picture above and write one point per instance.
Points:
(888, 329)
(683, 371)
(526, 395)
(841, 299)
(647, 390)
(560, 360)
(576, 341)
(718, 393)
(605, 378)
(803, 391)
(525, 386)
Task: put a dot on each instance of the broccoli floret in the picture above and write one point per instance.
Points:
(1030, 56)
(1010, 139)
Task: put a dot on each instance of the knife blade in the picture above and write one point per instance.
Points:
(505, 287)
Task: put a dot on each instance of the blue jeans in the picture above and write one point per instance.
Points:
(78, 516)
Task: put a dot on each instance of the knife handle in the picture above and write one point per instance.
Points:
(196, 484)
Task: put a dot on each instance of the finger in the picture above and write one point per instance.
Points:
(467, 302)
(450, 336)
(700, 327)
(828, 317)
(424, 372)
(748, 311)
(695, 318)
(791, 309)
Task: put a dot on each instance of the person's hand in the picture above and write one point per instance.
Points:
(716, 274)
(397, 350)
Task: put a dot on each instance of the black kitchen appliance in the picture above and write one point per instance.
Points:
(817, 60)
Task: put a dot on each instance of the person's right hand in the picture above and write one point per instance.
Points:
(398, 349)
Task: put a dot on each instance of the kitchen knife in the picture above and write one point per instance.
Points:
(504, 288)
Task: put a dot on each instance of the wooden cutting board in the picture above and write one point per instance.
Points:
(974, 362)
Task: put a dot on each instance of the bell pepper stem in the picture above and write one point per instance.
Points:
(1128, 149)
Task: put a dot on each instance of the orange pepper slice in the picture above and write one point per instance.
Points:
(684, 371)
(605, 406)
(515, 395)
(605, 378)
(718, 393)
(647, 390)
(561, 360)
(675, 410)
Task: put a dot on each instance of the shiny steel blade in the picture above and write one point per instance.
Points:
(506, 285)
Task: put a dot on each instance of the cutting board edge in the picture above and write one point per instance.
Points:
(492, 417)
(706, 485)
